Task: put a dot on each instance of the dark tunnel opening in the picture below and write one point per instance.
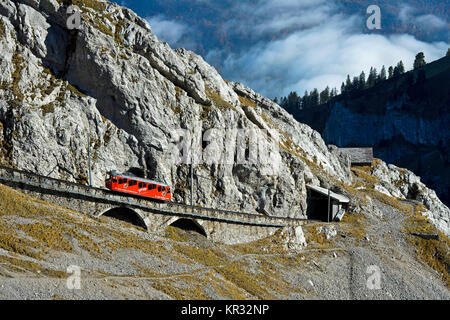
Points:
(189, 225)
(126, 215)
(317, 206)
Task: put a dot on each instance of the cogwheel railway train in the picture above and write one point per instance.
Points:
(138, 186)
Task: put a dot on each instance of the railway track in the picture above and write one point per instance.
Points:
(22, 178)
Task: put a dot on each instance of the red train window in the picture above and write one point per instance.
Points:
(159, 189)
(114, 179)
(168, 190)
(120, 181)
(140, 185)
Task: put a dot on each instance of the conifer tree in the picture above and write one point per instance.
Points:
(305, 100)
(419, 61)
(348, 83)
(325, 95)
(383, 74)
(362, 81)
(314, 98)
(401, 67)
(391, 72)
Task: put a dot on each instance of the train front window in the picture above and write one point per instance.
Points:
(114, 179)
(168, 190)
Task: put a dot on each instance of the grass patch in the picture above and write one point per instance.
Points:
(353, 225)
(247, 102)
(205, 256)
(93, 4)
(263, 246)
(434, 253)
(48, 108)
(217, 100)
(364, 173)
(239, 276)
(390, 201)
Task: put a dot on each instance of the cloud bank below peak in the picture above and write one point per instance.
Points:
(321, 47)
(285, 45)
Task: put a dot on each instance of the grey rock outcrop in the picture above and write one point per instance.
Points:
(404, 184)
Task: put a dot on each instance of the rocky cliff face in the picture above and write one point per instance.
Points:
(405, 120)
(113, 82)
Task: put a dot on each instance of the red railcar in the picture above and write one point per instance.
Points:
(138, 186)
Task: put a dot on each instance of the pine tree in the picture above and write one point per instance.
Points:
(293, 102)
(348, 83)
(372, 77)
(333, 93)
(362, 81)
(305, 100)
(325, 95)
(355, 84)
(342, 88)
(383, 74)
(419, 61)
(391, 72)
(401, 67)
(396, 72)
(448, 52)
(314, 98)
(275, 100)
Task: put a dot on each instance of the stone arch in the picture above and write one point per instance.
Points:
(132, 216)
(188, 225)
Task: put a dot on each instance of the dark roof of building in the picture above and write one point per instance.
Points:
(359, 155)
(338, 197)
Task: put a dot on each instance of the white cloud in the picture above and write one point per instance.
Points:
(167, 30)
(320, 49)
(430, 21)
(427, 21)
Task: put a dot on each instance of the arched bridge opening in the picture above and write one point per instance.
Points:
(127, 215)
(189, 225)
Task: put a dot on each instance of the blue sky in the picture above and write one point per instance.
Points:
(278, 46)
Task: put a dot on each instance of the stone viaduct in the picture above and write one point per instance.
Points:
(218, 225)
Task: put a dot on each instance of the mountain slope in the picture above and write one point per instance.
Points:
(120, 261)
(113, 83)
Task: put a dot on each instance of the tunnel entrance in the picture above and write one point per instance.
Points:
(127, 215)
(189, 226)
(317, 202)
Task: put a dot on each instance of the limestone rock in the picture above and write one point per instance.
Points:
(114, 85)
